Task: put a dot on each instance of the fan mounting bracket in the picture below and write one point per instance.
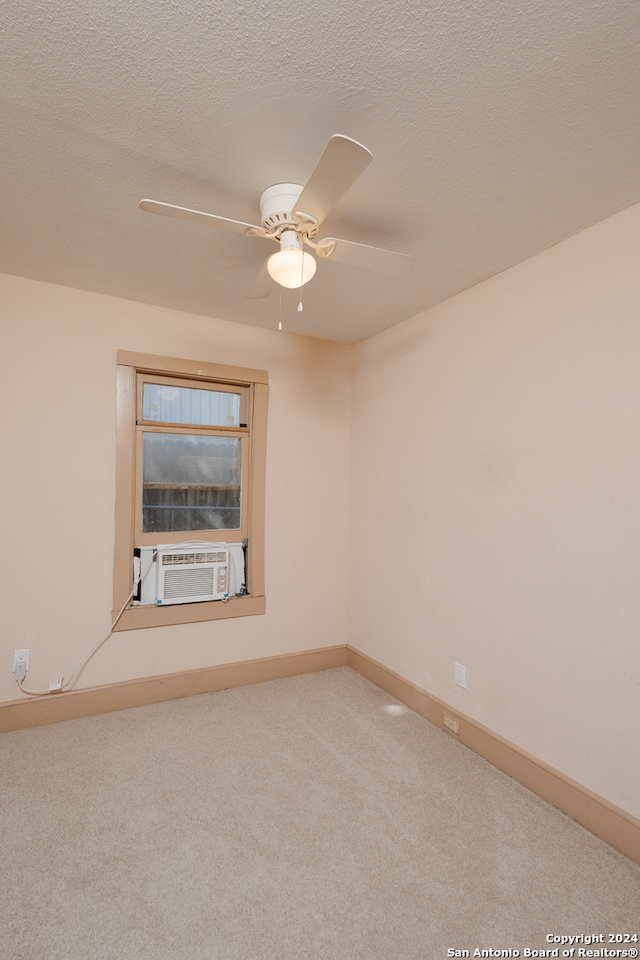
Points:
(324, 248)
(278, 212)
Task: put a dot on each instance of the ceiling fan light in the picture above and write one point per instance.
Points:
(291, 268)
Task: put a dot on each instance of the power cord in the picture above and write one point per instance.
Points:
(59, 685)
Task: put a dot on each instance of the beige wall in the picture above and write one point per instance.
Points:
(496, 504)
(58, 427)
(495, 511)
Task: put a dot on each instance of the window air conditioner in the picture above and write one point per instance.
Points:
(189, 572)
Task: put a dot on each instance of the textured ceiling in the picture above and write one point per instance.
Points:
(497, 129)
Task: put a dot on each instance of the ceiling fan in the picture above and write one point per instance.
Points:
(291, 215)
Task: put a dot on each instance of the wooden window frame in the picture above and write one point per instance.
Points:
(128, 479)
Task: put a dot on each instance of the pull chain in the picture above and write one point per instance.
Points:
(300, 307)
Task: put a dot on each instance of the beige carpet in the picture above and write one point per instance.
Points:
(313, 817)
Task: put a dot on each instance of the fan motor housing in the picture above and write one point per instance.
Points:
(277, 208)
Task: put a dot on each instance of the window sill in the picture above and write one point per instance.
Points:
(138, 618)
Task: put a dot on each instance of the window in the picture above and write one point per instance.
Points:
(190, 466)
(193, 445)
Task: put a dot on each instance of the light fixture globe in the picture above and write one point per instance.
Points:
(291, 267)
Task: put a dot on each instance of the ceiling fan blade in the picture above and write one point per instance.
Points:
(262, 286)
(340, 165)
(367, 258)
(184, 213)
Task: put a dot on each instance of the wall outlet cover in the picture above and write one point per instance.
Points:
(460, 674)
(20, 656)
(452, 724)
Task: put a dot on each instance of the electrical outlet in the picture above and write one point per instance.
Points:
(451, 724)
(460, 675)
(20, 657)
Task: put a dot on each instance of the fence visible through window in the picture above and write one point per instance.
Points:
(190, 482)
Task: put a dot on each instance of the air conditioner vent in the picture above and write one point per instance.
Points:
(173, 559)
(179, 584)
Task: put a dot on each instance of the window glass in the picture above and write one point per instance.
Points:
(190, 482)
(165, 403)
